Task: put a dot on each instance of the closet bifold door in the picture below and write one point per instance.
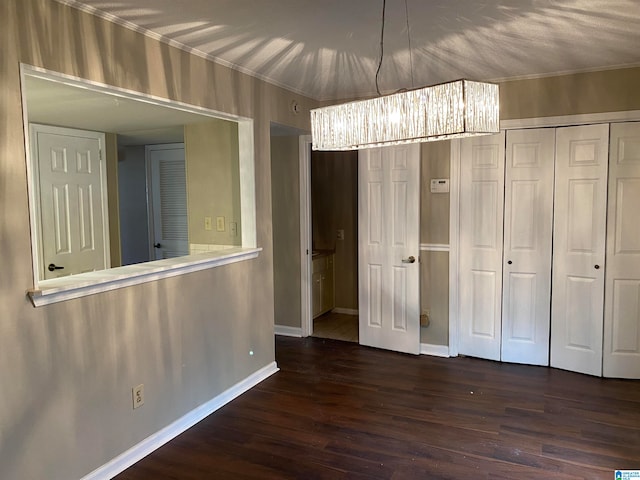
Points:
(528, 225)
(577, 305)
(480, 257)
(621, 356)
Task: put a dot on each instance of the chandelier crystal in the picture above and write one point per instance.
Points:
(450, 110)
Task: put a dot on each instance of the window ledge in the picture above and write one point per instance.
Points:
(81, 285)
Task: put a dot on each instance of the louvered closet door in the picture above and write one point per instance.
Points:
(169, 200)
(621, 356)
(579, 248)
(528, 225)
(481, 228)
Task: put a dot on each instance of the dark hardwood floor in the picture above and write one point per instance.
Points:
(337, 410)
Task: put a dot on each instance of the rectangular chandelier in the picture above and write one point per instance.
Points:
(450, 110)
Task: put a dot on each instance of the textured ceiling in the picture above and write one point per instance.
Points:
(329, 49)
(136, 123)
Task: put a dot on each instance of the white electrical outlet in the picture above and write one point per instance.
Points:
(138, 396)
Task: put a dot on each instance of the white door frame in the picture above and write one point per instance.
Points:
(304, 159)
(454, 209)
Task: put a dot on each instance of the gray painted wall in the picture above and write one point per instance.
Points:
(286, 230)
(67, 369)
(434, 229)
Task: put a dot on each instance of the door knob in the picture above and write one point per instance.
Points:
(596, 267)
(53, 266)
(411, 259)
(509, 262)
(157, 245)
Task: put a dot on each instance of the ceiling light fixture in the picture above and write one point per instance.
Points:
(455, 109)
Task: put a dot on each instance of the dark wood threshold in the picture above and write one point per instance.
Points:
(337, 410)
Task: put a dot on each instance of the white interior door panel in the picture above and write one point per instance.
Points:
(579, 248)
(621, 352)
(389, 245)
(481, 229)
(72, 203)
(528, 225)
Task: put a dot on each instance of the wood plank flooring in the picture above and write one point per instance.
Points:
(337, 410)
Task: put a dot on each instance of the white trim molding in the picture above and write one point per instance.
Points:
(454, 239)
(287, 331)
(434, 350)
(345, 311)
(83, 284)
(304, 188)
(158, 439)
(434, 247)
(568, 120)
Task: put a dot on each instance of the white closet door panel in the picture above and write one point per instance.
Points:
(481, 227)
(528, 225)
(579, 248)
(621, 355)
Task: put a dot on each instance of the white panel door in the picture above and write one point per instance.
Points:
(577, 305)
(481, 229)
(528, 225)
(621, 356)
(72, 201)
(388, 239)
(168, 200)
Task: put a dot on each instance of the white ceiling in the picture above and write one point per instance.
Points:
(136, 122)
(329, 49)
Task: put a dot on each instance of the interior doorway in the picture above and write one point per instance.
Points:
(333, 195)
(314, 238)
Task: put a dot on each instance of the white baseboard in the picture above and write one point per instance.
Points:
(434, 350)
(287, 331)
(345, 311)
(155, 441)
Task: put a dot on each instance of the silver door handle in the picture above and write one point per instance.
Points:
(411, 259)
